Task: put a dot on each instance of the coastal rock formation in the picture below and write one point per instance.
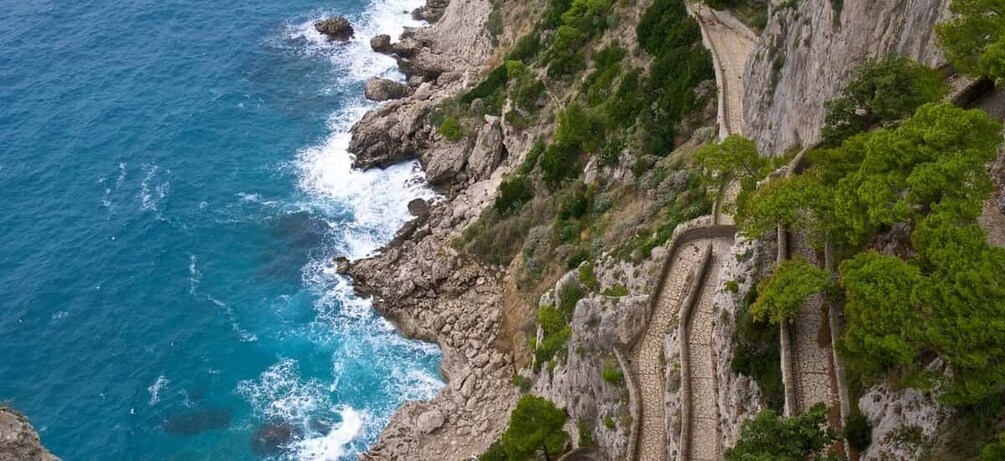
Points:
(18, 439)
(809, 51)
(892, 413)
(381, 43)
(382, 89)
(335, 28)
(432, 11)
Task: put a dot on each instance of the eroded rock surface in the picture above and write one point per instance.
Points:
(18, 439)
(335, 28)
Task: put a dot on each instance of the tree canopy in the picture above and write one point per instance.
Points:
(535, 426)
(884, 90)
(790, 284)
(974, 41)
(769, 437)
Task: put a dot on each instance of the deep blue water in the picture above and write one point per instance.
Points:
(173, 186)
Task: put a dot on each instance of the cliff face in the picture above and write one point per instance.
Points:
(809, 51)
(18, 440)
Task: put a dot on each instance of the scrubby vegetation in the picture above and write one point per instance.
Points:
(771, 437)
(884, 91)
(788, 287)
(535, 429)
(974, 41)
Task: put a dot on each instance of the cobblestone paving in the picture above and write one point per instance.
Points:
(811, 347)
(647, 357)
(731, 44)
(705, 439)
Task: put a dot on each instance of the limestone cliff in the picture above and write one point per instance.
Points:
(809, 50)
(18, 439)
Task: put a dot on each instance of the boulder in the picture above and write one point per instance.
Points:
(427, 65)
(336, 28)
(418, 207)
(430, 421)
(432, 11)
(382, 89)
(381, 43)
(488, 150)
(18, 439)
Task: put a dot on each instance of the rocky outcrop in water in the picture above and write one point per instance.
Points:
(382, 89)
(335, 28)
(381, 43)
(18, 439)
(809, 51)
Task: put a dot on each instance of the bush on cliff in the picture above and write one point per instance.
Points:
(790, 284)
(535, 427)
(771, 437)
(974, 41)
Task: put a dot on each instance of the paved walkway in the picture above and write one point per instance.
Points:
(731, 43)
(647, 356)
(704, 440)
(811, 346)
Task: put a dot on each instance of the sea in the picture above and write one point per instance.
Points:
(174, 186)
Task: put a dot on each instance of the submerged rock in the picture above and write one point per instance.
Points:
(189, 424)
(337, 28)
(273, 437)
(382, 89)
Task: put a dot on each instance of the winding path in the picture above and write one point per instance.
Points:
(731, 43)
(684, 294)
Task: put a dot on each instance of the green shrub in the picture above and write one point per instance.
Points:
(612, 373)
(513, 193)
(527, 93)
(522, 382)
(526, 48)
(769, 436)
(790, 284)
(559, 162)
(578, 257)
(883, 90)
(535, 425)
(587, 277)
(490, 91)
(731, 286)
(556, 333)
(568, 296)
(576, 203)
(451, 129)
(616, 291)
(858, 431)
(494, 453)
(494, 25)
(758, 356)
(585, 434)
(609, 422)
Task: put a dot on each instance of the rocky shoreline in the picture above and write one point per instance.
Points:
(423, 286)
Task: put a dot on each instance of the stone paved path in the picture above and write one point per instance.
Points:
(812, 359)
(731, 43)
(704, 439)
(647, 356)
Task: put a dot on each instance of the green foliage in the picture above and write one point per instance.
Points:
(883, 91)
(450, 128)
(490, 91)
(790, 284)
(858, 431)
(770, 437)
(616, 291)
(559, 162)
(994, 451)
(522, 382)
(535, 426)
(587, 277)
(612, 373)
(600, 84)
(758, 355)
(568, 296)
(494, 453)
(513, 193)
(556, 333)
(801, 203)
(731, 286)
(578, 129)
(585, 434)
(609, 422)
(494, 24)
(734, 158)
(974, 41)
(934, 160)
(673, 39)
(526, 48)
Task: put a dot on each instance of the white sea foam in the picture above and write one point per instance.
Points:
(194, 276)
(241, 333)
(156, 388)
(153, 188)
(335, 443)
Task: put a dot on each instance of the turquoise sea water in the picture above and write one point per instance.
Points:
(173, 187)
